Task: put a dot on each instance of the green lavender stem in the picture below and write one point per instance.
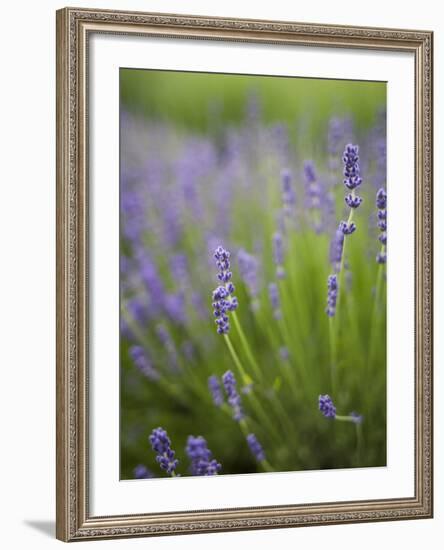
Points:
(246, 346)
(333, 354)
(254, 402)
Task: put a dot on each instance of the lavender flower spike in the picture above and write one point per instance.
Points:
(234, 398)
(216, 390)
(223, 299)
(161, 444)
(202, 461)
(332, 296)
(326, 406)
(255, 447)
(352, 177)
(328, 409)
(336, 248)
(143, 363)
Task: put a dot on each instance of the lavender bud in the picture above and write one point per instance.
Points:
(381, 199)
(161, 444)
(332, 295)
(381, 258)
(352, 201)
(347, 228)
(352, 178)
(326, 406)
(222, 298)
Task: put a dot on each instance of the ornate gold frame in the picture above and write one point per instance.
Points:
(74, 521)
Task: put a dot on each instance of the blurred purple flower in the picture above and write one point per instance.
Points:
(233, 396)
(326, 406)
(255, 447)
(202, 462)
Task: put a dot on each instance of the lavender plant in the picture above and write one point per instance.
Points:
(237, 203)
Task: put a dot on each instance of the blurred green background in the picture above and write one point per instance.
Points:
(199, 101)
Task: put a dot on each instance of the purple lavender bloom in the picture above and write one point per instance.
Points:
(352, 201)
(223, 299)
(336, 247)
(284, 353)
(347, 228)
(381, 199)
(202, 462)
(233, 396)
(278, 255)
(326, 406)
(381, 258)
(216, 390)
(273, 293)
(143, 363)
(161, 444)
(352, 178)
(142, 472)
(255, 447)
(332, 296)
(248, 267)
(383, 238)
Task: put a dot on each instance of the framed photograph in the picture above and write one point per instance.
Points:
(244, 274)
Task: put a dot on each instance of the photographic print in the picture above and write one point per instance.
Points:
(232, 314)
(253, 250)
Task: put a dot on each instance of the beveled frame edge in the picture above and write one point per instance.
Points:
(72, 518)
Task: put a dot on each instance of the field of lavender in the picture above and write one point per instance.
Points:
(252, 275)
